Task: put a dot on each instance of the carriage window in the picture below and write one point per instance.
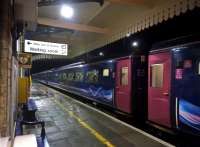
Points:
(124, 76)
(105, 72)
(79, 76)
(64, 76)
(92, 76)
(70, 76)
(59, 77)
(157, 75)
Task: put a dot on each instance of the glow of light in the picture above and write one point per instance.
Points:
(67, 11)
(176, 49)
(128, 34)
(101, 54)
(52, 30)
(135, 44)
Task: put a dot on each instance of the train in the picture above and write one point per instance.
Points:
(162, 86)
(109, 82)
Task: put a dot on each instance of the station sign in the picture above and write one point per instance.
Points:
(41, 47)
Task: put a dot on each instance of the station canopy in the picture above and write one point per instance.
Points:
(96, 23)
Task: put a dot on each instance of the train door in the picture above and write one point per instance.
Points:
(159, 79)
(123, 85)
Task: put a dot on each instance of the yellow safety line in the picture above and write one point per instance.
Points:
(87, 126)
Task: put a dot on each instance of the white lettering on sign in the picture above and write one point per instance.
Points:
(41, 47)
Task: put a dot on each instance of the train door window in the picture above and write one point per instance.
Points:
(106, 72)
(157, 75)
(124, 76)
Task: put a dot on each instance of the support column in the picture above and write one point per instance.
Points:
(5, 66)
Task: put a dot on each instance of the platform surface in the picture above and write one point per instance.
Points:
(4, 142)
(72, 124)
(25, 141)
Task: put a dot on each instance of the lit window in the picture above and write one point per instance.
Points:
(157, 75)
(105, 72)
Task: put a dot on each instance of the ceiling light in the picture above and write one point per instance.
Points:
(128, 34)
(110, 61)
(101, 54)
(67, 11)
(135, 44)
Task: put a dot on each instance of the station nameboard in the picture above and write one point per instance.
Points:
(41, 47)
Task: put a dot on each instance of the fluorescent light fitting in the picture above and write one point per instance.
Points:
(67, 11)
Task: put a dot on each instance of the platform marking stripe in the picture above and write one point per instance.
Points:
(114, 119)
(87, 126)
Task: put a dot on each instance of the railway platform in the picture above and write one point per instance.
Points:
(70, 123)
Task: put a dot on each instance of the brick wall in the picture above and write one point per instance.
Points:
(5, 65)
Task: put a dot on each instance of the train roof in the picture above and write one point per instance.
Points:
(169, 44)
(80, 64)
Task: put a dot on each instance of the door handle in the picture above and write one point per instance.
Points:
(166, 93)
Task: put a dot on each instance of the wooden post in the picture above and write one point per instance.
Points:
(5, 66)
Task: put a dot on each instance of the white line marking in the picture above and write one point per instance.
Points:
(116, 120)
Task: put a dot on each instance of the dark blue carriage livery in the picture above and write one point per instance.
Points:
(95, 81)
(187, 86)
